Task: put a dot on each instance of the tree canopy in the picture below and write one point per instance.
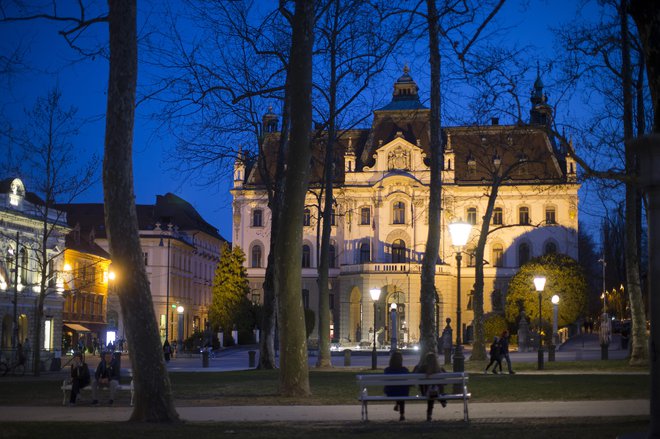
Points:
(230, 289)
(564, 277)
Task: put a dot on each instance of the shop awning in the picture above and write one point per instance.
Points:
(76, 327)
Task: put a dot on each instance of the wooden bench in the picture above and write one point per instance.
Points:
(66, 387)
(371, 388)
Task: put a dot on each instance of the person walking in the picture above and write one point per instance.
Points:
(504, 350)
(396, 367)
(429, 367)
(167, 350)
(495, 356)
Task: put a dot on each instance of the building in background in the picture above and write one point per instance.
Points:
(23, 220)
(380, 220)
(180, 253)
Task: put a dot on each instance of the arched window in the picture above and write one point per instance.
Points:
(523, 215)
(523, 254)
(550, 247)
(24, 266)
(365, 255)
(306, 256)
(399, 213)
(257, 218)
(256, 256)
(307, 217)
(497, 216)
(332, 256)
(472, 215)
(498, 255)
(398, 251)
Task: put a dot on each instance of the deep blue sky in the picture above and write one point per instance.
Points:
(83, 84)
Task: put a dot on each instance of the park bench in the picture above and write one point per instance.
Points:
(66, 387)
(454, 383)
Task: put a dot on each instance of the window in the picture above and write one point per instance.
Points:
(472, 260)
(523, 254)
(332, 218)
(332, 256)
(24, 266)
(145, 256)
(498, 256)
(256, 256)
(257, 218)
(550, 248)
(497, 216)
(331, 298)
(550, 217)
(365, 216)
(399, 213)
(305, 298)
(472, 215)
(307, 217)
(306, 256)
(496, 300)
(398, 251)
(523, 215)
(365, 256)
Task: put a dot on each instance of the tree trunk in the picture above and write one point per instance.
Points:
(294, 373)
(639, 353)
(479, 345)
(153, 394)
(428, 330)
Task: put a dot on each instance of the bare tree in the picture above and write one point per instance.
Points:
(48, 158)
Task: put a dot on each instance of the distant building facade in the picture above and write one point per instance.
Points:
(23, 219)
(380, 220)
(180, 253)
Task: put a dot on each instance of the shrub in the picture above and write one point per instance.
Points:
(494, 325)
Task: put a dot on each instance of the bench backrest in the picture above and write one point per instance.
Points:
(411, 379)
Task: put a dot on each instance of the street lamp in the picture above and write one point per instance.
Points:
(539, 283)
(459, 232)
(555, 336)
(180, 310)
(375, 294)
(393, 327)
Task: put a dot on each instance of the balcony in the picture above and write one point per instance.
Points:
(380, 267)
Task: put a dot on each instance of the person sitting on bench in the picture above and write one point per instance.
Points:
(105, 376)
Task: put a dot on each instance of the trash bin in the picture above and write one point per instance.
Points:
(347, 357)
(205, 358)
(251, 358)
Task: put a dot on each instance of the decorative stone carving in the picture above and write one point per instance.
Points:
(398, 158)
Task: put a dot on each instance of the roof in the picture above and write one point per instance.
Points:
(169, 208)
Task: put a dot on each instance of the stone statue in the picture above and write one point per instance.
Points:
(523, 333)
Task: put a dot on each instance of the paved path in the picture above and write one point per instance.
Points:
(344, 413)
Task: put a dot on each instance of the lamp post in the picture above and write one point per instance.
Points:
(539, 283)
(167, 294)
(375, 294)
(555, 338)
(459, 232)
(180, 310)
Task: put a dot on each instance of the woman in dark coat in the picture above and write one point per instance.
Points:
(396, 367)
(495, 356)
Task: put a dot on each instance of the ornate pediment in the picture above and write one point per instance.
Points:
(399, 155)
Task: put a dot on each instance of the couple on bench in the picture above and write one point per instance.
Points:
(106, 375)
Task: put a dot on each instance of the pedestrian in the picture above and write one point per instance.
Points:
(504, 350)
(79, 376)
(396, 367)
(104, 377)
(167, 350)
(174, 349)
(429, 367)
(495, 355)
(27, 349)
(95, 345)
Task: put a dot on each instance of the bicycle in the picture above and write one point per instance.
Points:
(17, 368)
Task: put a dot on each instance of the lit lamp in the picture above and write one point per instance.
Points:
(539, 283)
(393, 327)
(375, 294)
(459, 232)
(555, 337)
(180, 310)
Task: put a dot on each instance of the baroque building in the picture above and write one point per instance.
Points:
(32, 238)
(180, 253)
(380, 220)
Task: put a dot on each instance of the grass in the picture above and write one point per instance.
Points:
(593, 428)
(337, 386)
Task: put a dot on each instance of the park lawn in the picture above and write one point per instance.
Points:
(566, 428)
(338, 386)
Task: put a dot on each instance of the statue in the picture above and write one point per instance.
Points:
(523, 333)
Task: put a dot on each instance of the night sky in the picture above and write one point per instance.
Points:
(50, 62)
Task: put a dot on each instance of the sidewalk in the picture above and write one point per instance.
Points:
(415, 412)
